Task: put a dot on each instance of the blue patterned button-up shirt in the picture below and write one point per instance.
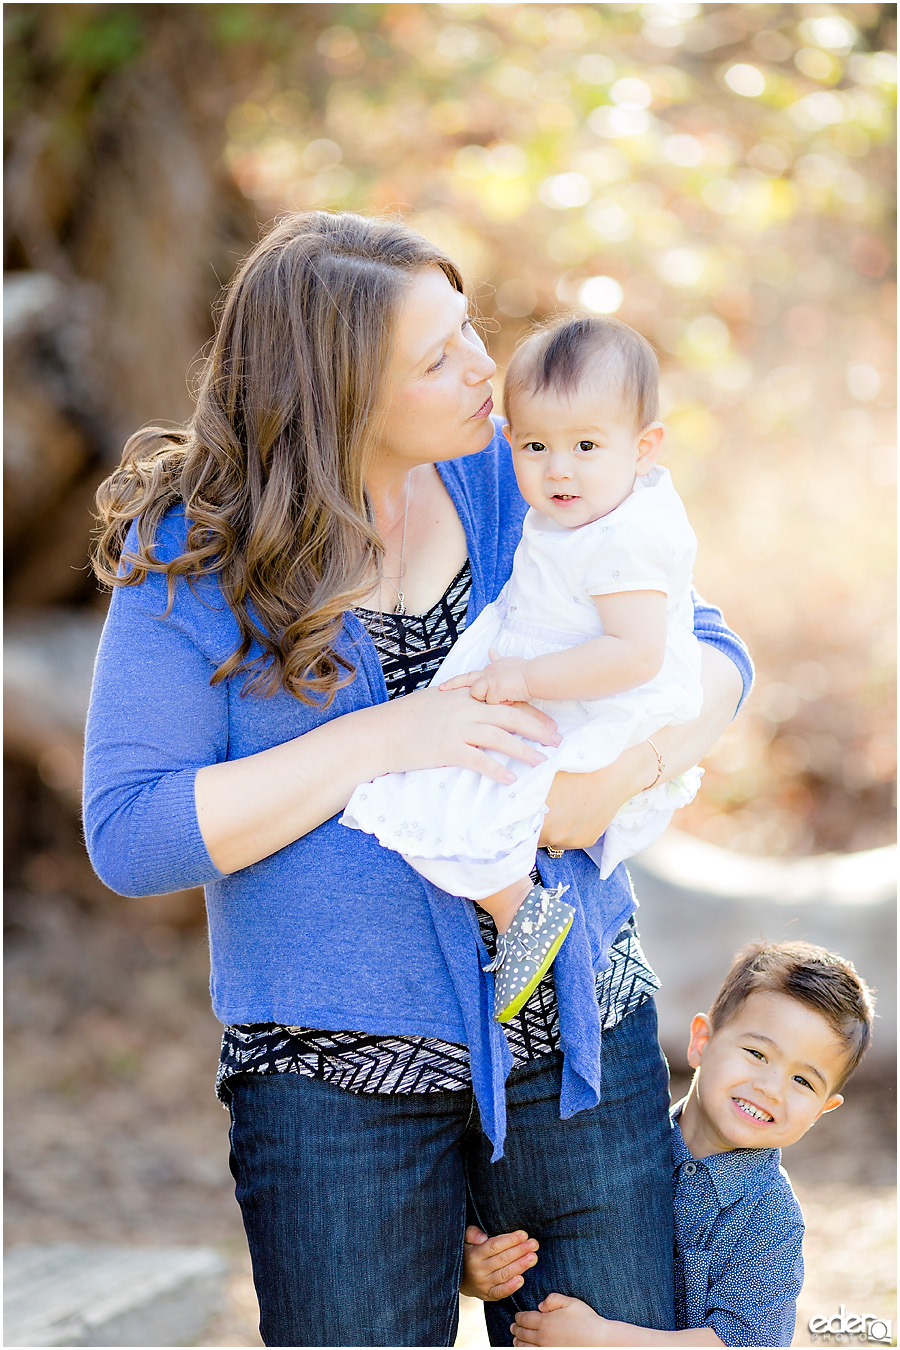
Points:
(738, 1239)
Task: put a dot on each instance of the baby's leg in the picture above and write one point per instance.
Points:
(527, 946)
(502, 905)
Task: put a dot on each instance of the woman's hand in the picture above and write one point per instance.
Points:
(249, 808)
(437, 727)
(582, 805)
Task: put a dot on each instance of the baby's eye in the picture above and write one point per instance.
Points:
(535, 445)
(586, 445)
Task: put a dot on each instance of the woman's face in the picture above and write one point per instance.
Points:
(438, 395)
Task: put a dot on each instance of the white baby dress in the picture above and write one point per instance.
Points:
(472, 836)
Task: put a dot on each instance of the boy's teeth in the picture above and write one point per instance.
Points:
(753, 1111)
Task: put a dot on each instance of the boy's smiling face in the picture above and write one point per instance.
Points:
(766, 1076)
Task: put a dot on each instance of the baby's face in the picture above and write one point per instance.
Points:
(765, 1076)
(576, 457)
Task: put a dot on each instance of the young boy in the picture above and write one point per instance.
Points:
(786, 1030)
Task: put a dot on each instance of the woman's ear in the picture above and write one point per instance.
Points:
(701, 1030)
(649, 445)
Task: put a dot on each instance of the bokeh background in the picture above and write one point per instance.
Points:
(721, 176)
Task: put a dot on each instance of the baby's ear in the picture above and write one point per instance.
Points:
(649, 445)
(505, 430)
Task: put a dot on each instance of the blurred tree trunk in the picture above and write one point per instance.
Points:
(122, 221)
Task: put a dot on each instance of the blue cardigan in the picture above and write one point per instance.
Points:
(332, 931)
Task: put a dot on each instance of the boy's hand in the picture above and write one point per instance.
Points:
(493, 1266)
(561, 1321)
(503, 681)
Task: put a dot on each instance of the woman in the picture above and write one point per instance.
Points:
(319, 531)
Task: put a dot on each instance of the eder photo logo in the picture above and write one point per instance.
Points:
(844, 1328)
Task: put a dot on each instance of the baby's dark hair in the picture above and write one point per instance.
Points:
(813, 976)
(558, 355)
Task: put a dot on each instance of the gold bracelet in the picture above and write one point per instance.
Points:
(659, 767)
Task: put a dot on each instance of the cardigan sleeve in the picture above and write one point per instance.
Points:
(154, 720)
(709, 626)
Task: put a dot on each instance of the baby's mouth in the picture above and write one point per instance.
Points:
(752, 1111)
(564, 497)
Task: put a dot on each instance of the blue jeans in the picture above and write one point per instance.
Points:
(355, 1205)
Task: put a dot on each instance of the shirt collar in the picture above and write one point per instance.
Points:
(734, 1175)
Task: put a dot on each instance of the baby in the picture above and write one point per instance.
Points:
(595, 626)
(786, 1030)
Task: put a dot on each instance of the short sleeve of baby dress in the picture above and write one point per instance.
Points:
(646, 544)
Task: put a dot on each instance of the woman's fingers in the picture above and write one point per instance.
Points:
(460, 681)
(526, 720)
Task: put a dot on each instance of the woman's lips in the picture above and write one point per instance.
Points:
(486, 408)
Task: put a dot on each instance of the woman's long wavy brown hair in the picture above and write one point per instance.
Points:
(271, 466)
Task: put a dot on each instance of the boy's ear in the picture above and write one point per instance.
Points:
(505, 430)
(650, 443)
(832, 1104)
(701, 1030)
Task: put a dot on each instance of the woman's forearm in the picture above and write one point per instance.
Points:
(684, 745)
(582, 805)
(250, 808)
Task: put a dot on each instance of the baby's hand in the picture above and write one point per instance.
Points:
(492, 1267)
(503, 681)
(561, 1321)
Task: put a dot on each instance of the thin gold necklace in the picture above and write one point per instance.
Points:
(401, 598)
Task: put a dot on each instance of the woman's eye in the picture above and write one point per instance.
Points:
(586, 445)
(437, 365)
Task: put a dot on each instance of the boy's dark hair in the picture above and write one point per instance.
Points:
(818, 978)
(560, 354)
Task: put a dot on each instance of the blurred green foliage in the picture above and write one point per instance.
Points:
(719, 175)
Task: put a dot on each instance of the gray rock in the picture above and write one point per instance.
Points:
(65, 1294)
(700, 903)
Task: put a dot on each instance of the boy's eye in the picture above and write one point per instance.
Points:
(757, 1054)
(805, 1081)
(586, 445)
(535, 445)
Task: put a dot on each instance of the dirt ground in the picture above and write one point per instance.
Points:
(113, 1133)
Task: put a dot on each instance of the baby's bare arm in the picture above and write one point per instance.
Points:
(630, 653)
